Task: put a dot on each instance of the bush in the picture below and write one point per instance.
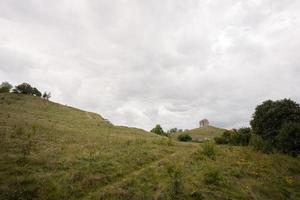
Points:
(270, 116)
(235, 137)
(5, 87)
(184, 138)
(220, 140)
(243, 136)
(288, 139)
(26, 88)
(158, 130)
(209, 150)
(260, 144)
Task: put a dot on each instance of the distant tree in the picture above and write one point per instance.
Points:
(26, 88)
(158, 130)
(46, 96)
(5, 87)
(270, 116)
(173, 130)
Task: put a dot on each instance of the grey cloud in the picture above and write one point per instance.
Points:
(139, 62)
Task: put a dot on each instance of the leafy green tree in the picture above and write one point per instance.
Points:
(5, 87)
(243, 136)
(270, 116)
(26, 88)
(158, 130)
(288, 139)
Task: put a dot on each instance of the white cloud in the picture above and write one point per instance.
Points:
(141, 62)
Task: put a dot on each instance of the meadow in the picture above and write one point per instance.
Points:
(52, 151)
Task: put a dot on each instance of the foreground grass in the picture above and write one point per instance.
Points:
(50, 151)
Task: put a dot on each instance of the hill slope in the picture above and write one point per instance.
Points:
(203, 133)
(50, 151)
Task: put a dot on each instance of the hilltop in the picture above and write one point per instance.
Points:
(51, 151)
(203, 133)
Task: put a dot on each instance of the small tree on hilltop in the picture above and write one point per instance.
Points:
(23, 88)
(158, 130)
(5, 87)
(46, 96)
(26, 88)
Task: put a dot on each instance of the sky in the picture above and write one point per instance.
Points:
(144, 62)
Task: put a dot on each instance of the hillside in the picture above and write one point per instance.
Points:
(51, 151)
(203, 133)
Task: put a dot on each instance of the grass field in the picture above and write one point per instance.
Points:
(203, 133)
(50, 151)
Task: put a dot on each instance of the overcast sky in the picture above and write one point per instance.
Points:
(143, 62)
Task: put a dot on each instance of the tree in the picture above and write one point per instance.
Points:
(36, 92)
(270, 116)
(26, 88)
(5, 87)
(243, 136)
(173, 130)
(158, 130)
(46, 96)
(288, 139)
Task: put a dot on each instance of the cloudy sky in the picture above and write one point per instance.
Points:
(142, 62)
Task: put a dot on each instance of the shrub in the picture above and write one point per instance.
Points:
(235, 137)
(243, 136)
(158, 130)
(288, 139)
(26, 88)
(271, 115)
(260, 144)
(184, 138)
(220, 140)
(46, 95)
(5, 87)
(209, 150)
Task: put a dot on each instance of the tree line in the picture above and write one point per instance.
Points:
(24, 88)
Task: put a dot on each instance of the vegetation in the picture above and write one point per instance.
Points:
(235, 137)
(184, 137)
(158, 130)
(51, 151)
(289, 139)
(277, 122)
(46, 95)
(201, 134)
(5, 87)
(25, 88)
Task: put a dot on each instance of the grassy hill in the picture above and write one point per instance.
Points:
(203, 133)
(51, 151)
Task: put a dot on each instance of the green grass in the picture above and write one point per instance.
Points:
(50, 151)
(203, 133)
